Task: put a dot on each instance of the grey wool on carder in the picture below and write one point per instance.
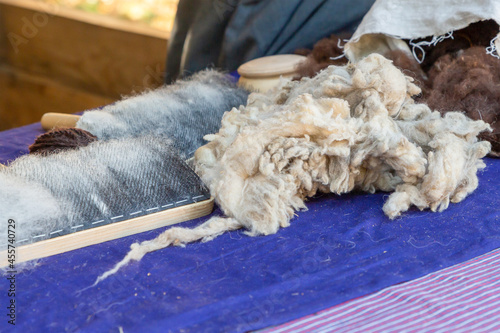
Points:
(185, 111)
(104, 182)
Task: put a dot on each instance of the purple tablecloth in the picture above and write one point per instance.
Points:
(343, 247)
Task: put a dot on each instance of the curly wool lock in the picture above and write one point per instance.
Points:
(351, 127)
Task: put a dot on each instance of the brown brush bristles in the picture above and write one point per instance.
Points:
(61, 139)
(320, 56)
(469, 81)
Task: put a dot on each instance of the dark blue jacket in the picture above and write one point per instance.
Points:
(227, 33)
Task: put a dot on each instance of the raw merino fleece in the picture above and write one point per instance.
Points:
(183, 112)
(103, 180)
(349, 128)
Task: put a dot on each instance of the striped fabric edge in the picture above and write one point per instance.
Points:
(461, 298)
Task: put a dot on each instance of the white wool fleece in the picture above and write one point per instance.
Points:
(351, 127)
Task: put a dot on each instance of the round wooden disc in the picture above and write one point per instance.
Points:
(275, 65)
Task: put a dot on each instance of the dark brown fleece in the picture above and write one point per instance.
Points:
(61, 139)
(463, 77)
(320, 56)
(468, 81)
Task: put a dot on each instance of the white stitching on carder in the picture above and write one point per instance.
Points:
(120, 216)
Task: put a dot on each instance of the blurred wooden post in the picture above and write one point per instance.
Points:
(54, 59)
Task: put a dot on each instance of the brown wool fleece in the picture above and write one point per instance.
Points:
(469, 81)
(61, 139)
(320, 56)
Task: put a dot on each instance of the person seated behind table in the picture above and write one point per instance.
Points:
(227, 33)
